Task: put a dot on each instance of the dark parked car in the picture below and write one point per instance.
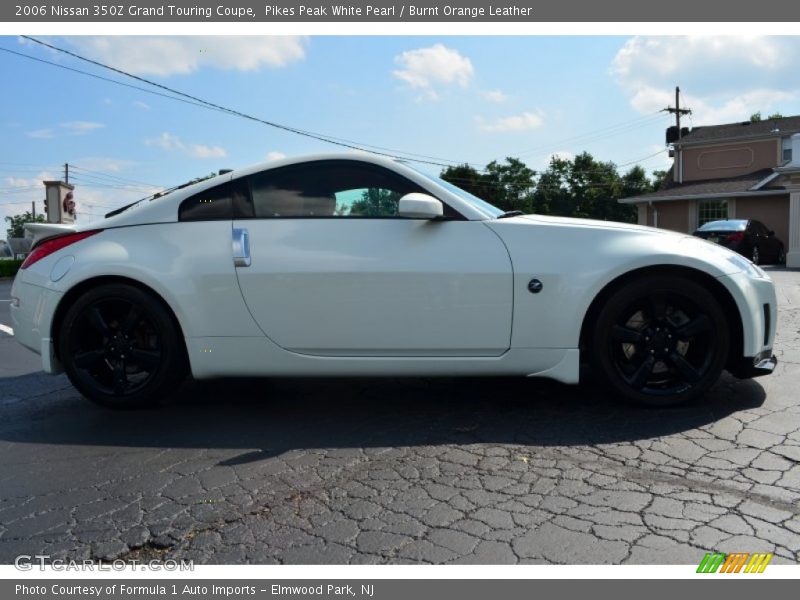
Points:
(749, 238)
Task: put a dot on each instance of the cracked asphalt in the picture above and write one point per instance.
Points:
(403, 471)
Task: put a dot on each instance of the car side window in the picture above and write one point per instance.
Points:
(216, 203)
(328, 189)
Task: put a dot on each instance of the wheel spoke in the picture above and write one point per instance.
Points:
(688, 372)
(131, 319)
(84, 360)
(694, 327)
(626, 335)
(146, 358)
(120, 378)
(658, 305)
(642, 374)
(97, 321)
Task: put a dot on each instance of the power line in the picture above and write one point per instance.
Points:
(95, 76)
(399, 155)
(598, 135)
(183, 97)
(105, 175)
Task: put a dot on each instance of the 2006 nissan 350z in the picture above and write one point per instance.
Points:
(360, 266)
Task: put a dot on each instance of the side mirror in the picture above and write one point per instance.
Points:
(420, 206)
(771, 233)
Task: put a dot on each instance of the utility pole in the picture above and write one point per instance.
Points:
(678, 111)
(66, 172)
(33, 210)
(676, 151)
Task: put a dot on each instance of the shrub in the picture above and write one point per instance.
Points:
(9, 268)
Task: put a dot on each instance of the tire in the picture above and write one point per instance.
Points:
(661, 341)
(781, 255)
(755, 256)
(121, 347)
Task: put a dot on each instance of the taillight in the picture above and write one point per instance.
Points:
(735, 237)
(47, 247)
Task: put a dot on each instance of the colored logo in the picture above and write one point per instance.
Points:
(743, 562)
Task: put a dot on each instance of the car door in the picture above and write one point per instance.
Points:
(333, 270)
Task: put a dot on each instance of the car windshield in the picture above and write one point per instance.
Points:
(483, 206)
(731, 225)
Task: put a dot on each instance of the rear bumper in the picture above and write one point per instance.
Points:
(32, 311)
(763, 363)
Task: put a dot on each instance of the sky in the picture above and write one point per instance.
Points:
(458, 99)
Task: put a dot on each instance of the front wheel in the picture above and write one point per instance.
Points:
(661, 341)
(120, 347)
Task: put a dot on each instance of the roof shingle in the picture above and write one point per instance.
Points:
(744, 129)
(732, 185)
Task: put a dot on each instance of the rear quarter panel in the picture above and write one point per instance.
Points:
(188, 264)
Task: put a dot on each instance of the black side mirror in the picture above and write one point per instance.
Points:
(771, 233)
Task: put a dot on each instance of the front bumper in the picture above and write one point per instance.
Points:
(763, 363)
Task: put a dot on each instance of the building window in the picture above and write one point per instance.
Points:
(711, 210)
(786, 146)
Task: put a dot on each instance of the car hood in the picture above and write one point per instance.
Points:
(594, 223)
(624, 245)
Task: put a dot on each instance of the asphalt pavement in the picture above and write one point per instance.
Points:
(402, 471)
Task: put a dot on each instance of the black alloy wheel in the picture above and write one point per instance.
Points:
(120, 347)
(661, 341)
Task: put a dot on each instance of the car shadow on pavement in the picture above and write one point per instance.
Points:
(270, 417)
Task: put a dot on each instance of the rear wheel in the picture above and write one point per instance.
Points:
(661, 341)
(120, 347)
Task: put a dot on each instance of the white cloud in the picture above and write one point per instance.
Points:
(425, 69)
(203, 151)
(722, 78)
(154, 55)
(274, 155)
(70, 127)
(169, 142)
(41, 134)
(142, 105)
(496, 96)
(28, 189)
(166, 141)
(523, 122)
(81, 127)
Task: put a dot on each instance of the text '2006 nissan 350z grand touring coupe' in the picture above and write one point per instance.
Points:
(354, 265)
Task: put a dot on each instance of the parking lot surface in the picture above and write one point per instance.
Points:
(402, 471)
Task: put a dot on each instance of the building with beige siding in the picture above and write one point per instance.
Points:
(748, 170)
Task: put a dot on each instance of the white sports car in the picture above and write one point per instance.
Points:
(357, 265)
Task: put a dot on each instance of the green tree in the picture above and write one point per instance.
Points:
(659, 176)
(511, 184)
(553, 194)
(508, 185)
(755, 117)
(376, 202)
(16, 229)
(467, 178)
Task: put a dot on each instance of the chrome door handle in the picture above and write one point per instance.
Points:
(241, 247)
